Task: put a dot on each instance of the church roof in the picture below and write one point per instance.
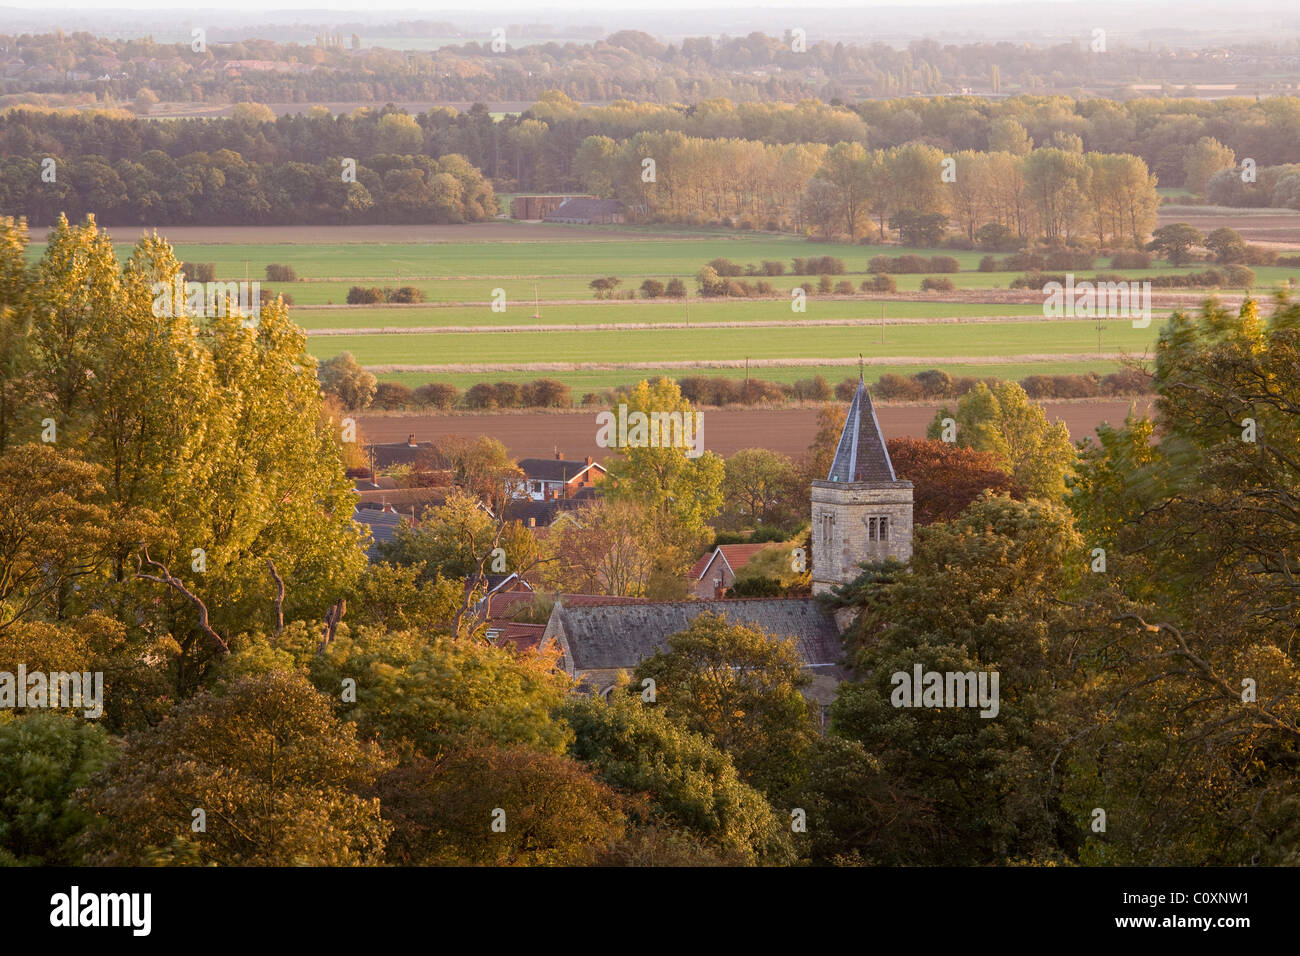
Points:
(621, 636)
(861, 454)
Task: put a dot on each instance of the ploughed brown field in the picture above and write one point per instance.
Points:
(786, 430)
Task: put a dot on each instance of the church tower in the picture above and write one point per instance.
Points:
(861, 512)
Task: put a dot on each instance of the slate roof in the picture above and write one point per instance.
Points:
(397, 453)
(861, 454)
(503, 604)
(404, 499)
(584, 209)
(621, 636)
(542, 513)
(555, 469)
(382, 524)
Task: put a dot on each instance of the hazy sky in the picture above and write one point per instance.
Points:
(536, 10)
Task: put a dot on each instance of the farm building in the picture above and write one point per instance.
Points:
(537, 207)
(588, 212)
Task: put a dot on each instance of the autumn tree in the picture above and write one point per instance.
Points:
(260, 773)
(692, 786)
(1004, 422)
(500, 806)
(741, 687)
(680, 489)
(945, 477)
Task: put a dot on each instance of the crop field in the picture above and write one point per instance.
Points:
(641, 312)
(553, 326)
(644, 347)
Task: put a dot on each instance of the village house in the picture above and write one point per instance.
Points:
(558, 477)
(714, 574)
(861, 512)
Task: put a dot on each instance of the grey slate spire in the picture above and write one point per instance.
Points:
(861, 455)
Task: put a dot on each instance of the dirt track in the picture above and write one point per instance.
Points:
(789, 431)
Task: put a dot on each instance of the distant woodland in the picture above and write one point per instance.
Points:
(626, 65)
(1053, 168)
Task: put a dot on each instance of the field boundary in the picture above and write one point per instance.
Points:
(940, 361)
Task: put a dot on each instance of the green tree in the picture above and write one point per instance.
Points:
(44, 759)
(343, 376)
(276, 775)
(741, 687)
(692, 786)
(680, 490)
(1003, 421)
(1175, 242)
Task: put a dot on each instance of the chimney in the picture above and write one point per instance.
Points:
(410, 440)
(559, 455)
(719, 592)
(532, 522)
(589, 461)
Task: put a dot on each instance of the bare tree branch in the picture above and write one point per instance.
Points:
(279, 597)
(175, 582)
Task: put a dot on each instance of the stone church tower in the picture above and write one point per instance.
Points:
(861, 512)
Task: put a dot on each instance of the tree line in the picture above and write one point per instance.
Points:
(628, 64)
(223, 187)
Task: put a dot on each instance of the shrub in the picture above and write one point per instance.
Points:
(359, 295)
(392, 396)
(652, 288)
(815, 389)
(995, 236)
(944, 264)
(934, 383)
(844, 287)
(825, 265)
(1131, 259)
(936, 284)
(1129, 381)
(481, 395)
(1068, 260)
(845, 390)
(437, 395)
(772, 267)
(897, 388)
(199, 271)
(988, 264)
(547, 393)
(406, 294)
(675, 289)
(280, 272)
(879, 283)
(725, 267)
(825, 285)
(509, 394)
(1028, 261)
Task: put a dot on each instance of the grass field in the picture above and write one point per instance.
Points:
(648, 346)
(654, 311)
(555, 265)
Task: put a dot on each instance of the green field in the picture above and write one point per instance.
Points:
(546, 283)
(654, 311)
(648, 346)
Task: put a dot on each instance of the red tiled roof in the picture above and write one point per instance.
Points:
(524, 637)
(737, 555)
